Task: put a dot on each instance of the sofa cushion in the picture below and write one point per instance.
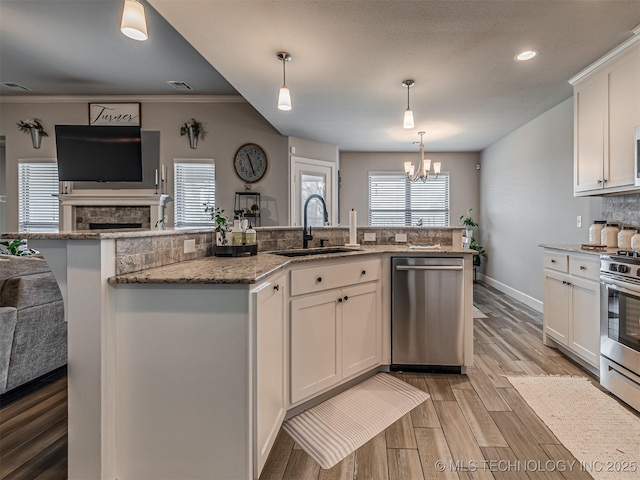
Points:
(13, 266)
(8, 319)
(29, 291)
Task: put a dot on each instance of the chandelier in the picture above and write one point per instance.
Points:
(423, 172)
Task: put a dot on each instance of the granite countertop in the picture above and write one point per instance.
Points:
(252, 269)
(102, 234)
(575, 248)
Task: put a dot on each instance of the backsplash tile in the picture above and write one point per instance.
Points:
(624, 209)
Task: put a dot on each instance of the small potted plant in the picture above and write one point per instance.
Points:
(35, 128)
(195, 130)
(223, 224)
(16, 247)
(468, 223)
(481, 252)
(255, 209)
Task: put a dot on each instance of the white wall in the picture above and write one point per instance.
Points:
(355, 168)
(230, 125)
(526, 197)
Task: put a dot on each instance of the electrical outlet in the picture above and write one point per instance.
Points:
(190, 246)
(579, 222)
(369, 237)
(401, 237)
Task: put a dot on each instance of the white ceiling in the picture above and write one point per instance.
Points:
(349, 59)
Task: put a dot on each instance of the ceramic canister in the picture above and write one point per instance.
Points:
(609, 235)
(595, 230)
(624, 237)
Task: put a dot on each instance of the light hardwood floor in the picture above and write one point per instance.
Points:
(470, 422)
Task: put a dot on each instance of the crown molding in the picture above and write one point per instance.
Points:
(623, 47)
(123, 98)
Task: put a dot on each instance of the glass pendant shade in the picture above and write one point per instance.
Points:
(284, 99)
(408, 119)
(134, 23)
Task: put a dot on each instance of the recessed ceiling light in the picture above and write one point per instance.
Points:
(526, 55)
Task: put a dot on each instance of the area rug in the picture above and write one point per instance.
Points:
(333, 429)
(477, 313)
(600, 433)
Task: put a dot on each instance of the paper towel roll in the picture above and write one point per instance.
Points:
(353, 222)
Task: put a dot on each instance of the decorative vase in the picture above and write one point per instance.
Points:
(193, 138)
(35, 137)
(468, 233)
(221, 239)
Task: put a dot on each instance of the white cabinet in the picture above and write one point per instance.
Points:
(268, 334)
(606, 111)
(335, 334)
(572, 303)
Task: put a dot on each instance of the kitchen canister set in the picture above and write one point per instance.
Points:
(613, 235)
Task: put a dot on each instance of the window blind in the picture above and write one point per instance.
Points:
(195, 185)
(396, 201)
(38, 209)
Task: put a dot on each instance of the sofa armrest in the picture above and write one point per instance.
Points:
(8, 319)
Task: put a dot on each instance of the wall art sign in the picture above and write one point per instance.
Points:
(114, 114)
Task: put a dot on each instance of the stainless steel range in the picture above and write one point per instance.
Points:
(620, 325)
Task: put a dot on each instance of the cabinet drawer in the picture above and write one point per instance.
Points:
(585, 267)
(325, 277)
(556, 261)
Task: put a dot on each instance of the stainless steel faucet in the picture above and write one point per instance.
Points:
(307, 236)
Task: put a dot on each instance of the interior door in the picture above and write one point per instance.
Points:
(310, 177)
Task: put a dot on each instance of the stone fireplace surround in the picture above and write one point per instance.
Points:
(78, 210)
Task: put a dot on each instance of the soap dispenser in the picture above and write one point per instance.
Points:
(250, 235)
(236, 233)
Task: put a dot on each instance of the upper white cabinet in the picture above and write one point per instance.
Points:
(607, 109)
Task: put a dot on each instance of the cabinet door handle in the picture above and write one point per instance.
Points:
(364, 272)
(553, 261)
(582, 267)
(605, 180)
(340, 300)
(276, 287)
(319, 279)
(599, 181)
(569, 283)
(346, 297)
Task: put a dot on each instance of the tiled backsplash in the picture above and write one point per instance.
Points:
(135, 254)
(622, 208)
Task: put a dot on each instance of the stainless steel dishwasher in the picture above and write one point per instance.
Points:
(427, 316)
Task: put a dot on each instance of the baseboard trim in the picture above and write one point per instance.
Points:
(32, 385)
(512, 292)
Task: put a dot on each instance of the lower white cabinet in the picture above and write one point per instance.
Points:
(335, 334)
(268, 335)
(572, 303)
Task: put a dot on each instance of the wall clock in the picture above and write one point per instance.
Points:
(250, 162)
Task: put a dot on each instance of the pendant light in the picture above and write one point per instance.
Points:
(408, 113)
(284, 97)
(424, 167)
(134, 23)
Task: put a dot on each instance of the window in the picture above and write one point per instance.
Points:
(195, 185)
(396, 201)
(38, 209)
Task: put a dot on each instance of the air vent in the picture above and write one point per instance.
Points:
(179, 85)
(15, 86)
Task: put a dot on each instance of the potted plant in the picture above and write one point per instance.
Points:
(223, 224)
(481, 252)
(468, 222)
(195, 130)
(35, 128)
(255, 209)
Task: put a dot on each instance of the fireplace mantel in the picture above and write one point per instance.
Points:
(69, 202)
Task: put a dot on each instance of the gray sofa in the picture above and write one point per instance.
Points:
(33, 332)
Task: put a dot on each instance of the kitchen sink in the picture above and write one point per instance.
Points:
(312, 251)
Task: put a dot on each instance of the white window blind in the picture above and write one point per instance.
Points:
(195, 185)
(38, 209)
(396, 201)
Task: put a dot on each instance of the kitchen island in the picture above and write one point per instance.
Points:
(186, 370)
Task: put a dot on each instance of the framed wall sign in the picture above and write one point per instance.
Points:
(114, 114)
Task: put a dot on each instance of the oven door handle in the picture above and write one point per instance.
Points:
(618, 288)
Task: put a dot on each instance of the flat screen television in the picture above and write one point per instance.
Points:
(99, 153)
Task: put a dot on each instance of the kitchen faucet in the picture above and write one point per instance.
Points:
(307, 236)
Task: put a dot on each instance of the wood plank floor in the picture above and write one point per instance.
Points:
(470, 422)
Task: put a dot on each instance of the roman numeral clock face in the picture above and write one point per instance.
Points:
(250, 162)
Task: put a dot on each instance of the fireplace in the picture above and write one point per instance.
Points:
(80, 209)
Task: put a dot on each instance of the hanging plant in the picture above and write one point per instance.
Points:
(195, 130)
(28, 124)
